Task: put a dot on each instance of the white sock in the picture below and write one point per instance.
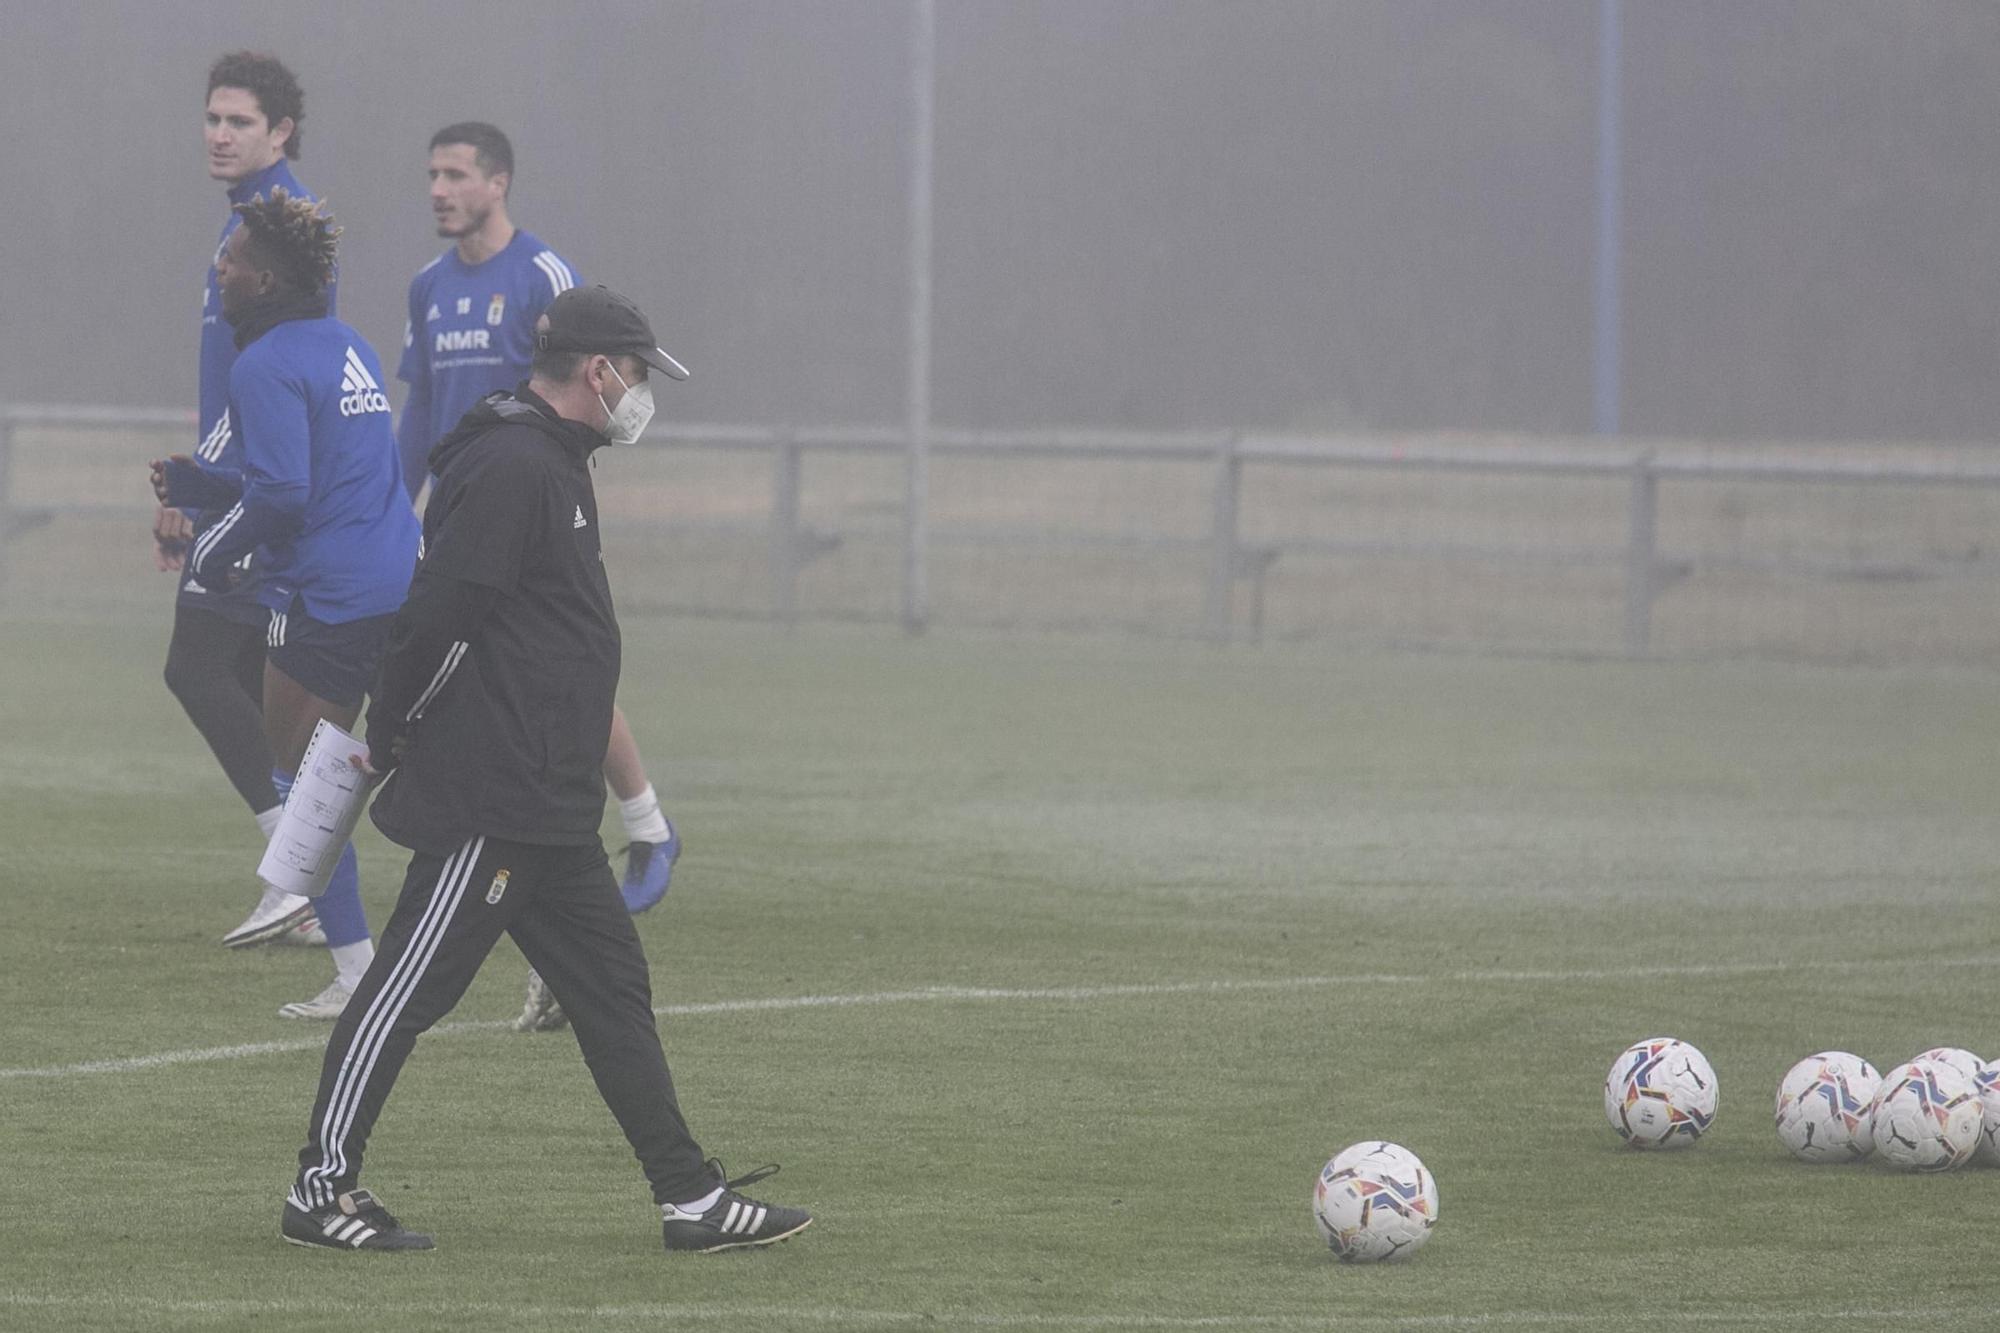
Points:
(351, 960)
(703, 1204)
(643, 820)
(267, 820)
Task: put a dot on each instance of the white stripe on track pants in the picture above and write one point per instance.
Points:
(562, 907)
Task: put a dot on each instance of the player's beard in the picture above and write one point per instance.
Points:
(473, 222)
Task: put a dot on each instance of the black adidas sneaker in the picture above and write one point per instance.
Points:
(732, 1221)
(354, 1222)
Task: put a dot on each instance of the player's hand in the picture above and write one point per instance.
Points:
(172, 531)
(162, 486)
(377, 766)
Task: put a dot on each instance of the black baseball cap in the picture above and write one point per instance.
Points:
(597, 320)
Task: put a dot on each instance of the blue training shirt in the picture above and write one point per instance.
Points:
(471, 331)
(217, 449)
(322, 503)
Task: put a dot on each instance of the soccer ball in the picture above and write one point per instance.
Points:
(1927, 1116)
(1660, 1093)
(1983, 1077)
(1375, 1202)
(1823, 1107)
(1964, 1061)
(1988, 1151)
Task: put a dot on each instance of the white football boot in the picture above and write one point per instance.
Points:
(326, 1005)
(276, 912)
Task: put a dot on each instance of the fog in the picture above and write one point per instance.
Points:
(1147, 213)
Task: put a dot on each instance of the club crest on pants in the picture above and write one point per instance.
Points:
(497, 887)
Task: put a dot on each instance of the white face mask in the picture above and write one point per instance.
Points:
(627, 422)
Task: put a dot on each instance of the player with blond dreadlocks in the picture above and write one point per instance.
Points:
(319, 506)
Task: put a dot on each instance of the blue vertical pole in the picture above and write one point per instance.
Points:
(1606, 344)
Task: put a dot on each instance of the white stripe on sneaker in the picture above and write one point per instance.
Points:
(756, 1221)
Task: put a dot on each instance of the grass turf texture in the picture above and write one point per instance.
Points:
(1459, 888)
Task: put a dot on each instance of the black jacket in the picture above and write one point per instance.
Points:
(494, 702)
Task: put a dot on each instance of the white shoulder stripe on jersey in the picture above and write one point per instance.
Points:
(546, 263)
(562, 267)
(555, 279)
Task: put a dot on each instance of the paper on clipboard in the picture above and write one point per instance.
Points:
(325, 804)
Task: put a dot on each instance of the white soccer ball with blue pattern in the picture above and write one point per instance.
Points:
(1964, 1061)
(1824, 1104)
(1927, 1116)
(1988, 1151)
(1660, 1093)
(1375, 1202)
(1983, 1077)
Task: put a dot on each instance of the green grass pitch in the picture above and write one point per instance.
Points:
(1083, 955)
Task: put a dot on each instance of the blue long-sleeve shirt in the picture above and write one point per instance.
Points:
(217, 450)
(322, 500)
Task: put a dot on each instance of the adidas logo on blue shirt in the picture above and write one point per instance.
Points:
(360, 391)
(580, 523)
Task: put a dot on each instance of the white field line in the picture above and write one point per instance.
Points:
(654, 1314)
(934, 994)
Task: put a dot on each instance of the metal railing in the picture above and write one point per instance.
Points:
(1643, 466)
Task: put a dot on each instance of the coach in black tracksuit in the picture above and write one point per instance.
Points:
(493, 711)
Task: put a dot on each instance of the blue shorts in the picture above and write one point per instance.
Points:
(336, 662)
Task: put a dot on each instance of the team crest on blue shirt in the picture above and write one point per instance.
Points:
(496, 309)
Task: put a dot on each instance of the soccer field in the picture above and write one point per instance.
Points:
(1051, 970)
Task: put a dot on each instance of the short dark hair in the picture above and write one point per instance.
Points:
(490, 148)
(555, 367)
(265, 78)
(295, 235)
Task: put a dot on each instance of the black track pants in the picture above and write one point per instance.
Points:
(215, 667)
(562, 907)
